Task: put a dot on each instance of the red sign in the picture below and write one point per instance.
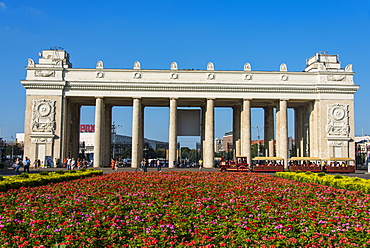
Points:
(89, 128)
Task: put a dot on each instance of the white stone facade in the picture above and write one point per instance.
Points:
(321, 95)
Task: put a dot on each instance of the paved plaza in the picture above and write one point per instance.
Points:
(108, 170)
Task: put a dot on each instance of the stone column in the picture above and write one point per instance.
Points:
(236, 130)
(107, 135)
(99, 105)
(269, 131)
(208, 160)
(142, 136)
(172, 154)
(283, 127)
(136, 116)
(203, 131)
(246, 130)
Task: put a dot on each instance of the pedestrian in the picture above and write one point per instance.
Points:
(26, 164)
(34, 165)
(17, 165)
(200, 164)
(159, 168)
(78, 163)
(116, 165)
(73, 163)
(69, 160)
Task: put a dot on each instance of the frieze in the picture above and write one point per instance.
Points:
(44, 73)
(41, 140)
(338, 120)
(43, 116)
(336, 77)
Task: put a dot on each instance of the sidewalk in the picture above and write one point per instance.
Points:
(108, 170)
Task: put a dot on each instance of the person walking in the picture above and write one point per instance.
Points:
(69, 160)
(200, 164)
(26, 164)
(159, 168)
(17, 165)
(73, 164)
(116, 165)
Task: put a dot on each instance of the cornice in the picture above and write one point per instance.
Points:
(347, 89)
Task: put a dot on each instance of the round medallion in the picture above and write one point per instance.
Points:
(44, 109)
(338, 113)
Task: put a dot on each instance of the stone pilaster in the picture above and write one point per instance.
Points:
(172, 155)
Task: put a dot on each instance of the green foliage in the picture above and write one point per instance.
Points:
(1, 178)
(24, 175)
(72, 171)
(308, 172)
(60, 172)
(44, 173)
(321, 174)
(338, 177)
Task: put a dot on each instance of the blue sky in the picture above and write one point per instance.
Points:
(192, 33)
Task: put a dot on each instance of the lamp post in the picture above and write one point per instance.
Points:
(114, 127)
(259, 129)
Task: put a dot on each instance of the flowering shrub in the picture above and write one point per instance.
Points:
(24, 180)
(184, 209)
(338, 181)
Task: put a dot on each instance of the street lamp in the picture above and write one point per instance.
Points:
(258, 137)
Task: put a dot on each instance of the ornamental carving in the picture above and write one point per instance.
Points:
(284, 77)
(137, 75)
(211, 76)
(336, 77)
(174, 76)
(100, 74)
(248, 77)
(44, 73)
(247, 67)
(210, 66)
(43, 116)
(173, 66)
(31, 63)
(338, 120)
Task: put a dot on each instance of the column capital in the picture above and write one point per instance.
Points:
(174, 98)
(210, 98)
(99, 97)
(139, 98)
(284, 99)
(247, 99)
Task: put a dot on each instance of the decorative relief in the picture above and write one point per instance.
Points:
(337, 143)
(43, 116)
(173, 66)
(41, 140)
(100, 74)
(31, 63)
(137, 75)
(283, 67)
(247, 67)
(336, 77)
(348, 68)
(210, 66)
(174, 76)
(99, 65)
(211, 76)
(284, 77)
(248, 77)
(137, 65)
(44, 73)
(322, 67)
(338, 120)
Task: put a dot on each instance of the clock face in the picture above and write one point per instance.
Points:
(338, 113)
(44, 109)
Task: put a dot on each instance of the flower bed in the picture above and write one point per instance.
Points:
(184, 209)
(43, 178)
(338, 181)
